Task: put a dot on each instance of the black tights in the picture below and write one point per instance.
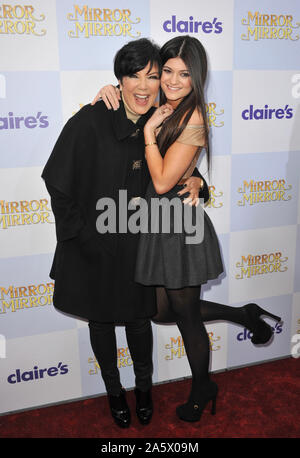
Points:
(210, 311)
(184, 307)
(183, 304)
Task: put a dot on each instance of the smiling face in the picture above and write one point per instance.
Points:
(175, 81)
(140, 89)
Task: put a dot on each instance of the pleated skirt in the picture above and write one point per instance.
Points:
(167, 253)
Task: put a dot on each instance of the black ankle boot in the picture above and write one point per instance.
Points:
(119, 409)
(262, 332)
(192, 410)
(144, 406)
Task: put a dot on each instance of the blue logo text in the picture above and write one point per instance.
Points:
(192, 26)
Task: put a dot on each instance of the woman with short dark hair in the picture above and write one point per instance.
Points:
(98, 154)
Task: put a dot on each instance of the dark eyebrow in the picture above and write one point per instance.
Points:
(186, 70)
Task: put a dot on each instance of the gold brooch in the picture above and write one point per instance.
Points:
(137, 164)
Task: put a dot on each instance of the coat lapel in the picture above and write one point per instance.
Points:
(125, 131)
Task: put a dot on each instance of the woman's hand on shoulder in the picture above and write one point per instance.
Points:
(110, 95)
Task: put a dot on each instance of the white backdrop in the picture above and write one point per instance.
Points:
(54, 56)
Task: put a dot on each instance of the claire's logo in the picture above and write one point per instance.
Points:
(267, 113)
(193, 25)
(11, 121)
(20, 20)
(261, 26)
(36, 374)
(246, 334)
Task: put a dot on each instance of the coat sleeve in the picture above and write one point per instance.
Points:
(60, 176)
(62, 165)
(68, 218)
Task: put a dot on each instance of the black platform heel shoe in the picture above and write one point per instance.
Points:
(144, 406)
(262, 332)
(192, 410)
(119, 409)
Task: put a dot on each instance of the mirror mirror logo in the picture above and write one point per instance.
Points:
(21, 20)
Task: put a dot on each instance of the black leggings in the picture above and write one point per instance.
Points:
(140, 342)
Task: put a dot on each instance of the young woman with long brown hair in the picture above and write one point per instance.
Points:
(174, 137)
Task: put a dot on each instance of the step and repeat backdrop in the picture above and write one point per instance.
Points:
(54, 57)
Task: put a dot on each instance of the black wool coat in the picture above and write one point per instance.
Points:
(94, 272)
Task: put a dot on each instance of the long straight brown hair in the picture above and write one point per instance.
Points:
(193, 54)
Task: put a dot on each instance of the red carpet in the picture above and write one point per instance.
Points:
(260, 401)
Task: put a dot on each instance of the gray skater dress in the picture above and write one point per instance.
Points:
(166, 256)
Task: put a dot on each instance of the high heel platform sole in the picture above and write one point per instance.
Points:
(192, 410)
(262, 331)
(196, 415)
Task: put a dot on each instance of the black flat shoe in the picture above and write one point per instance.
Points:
(144, 406)
(119, 409)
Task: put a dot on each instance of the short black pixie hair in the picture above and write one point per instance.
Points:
(134, 56)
